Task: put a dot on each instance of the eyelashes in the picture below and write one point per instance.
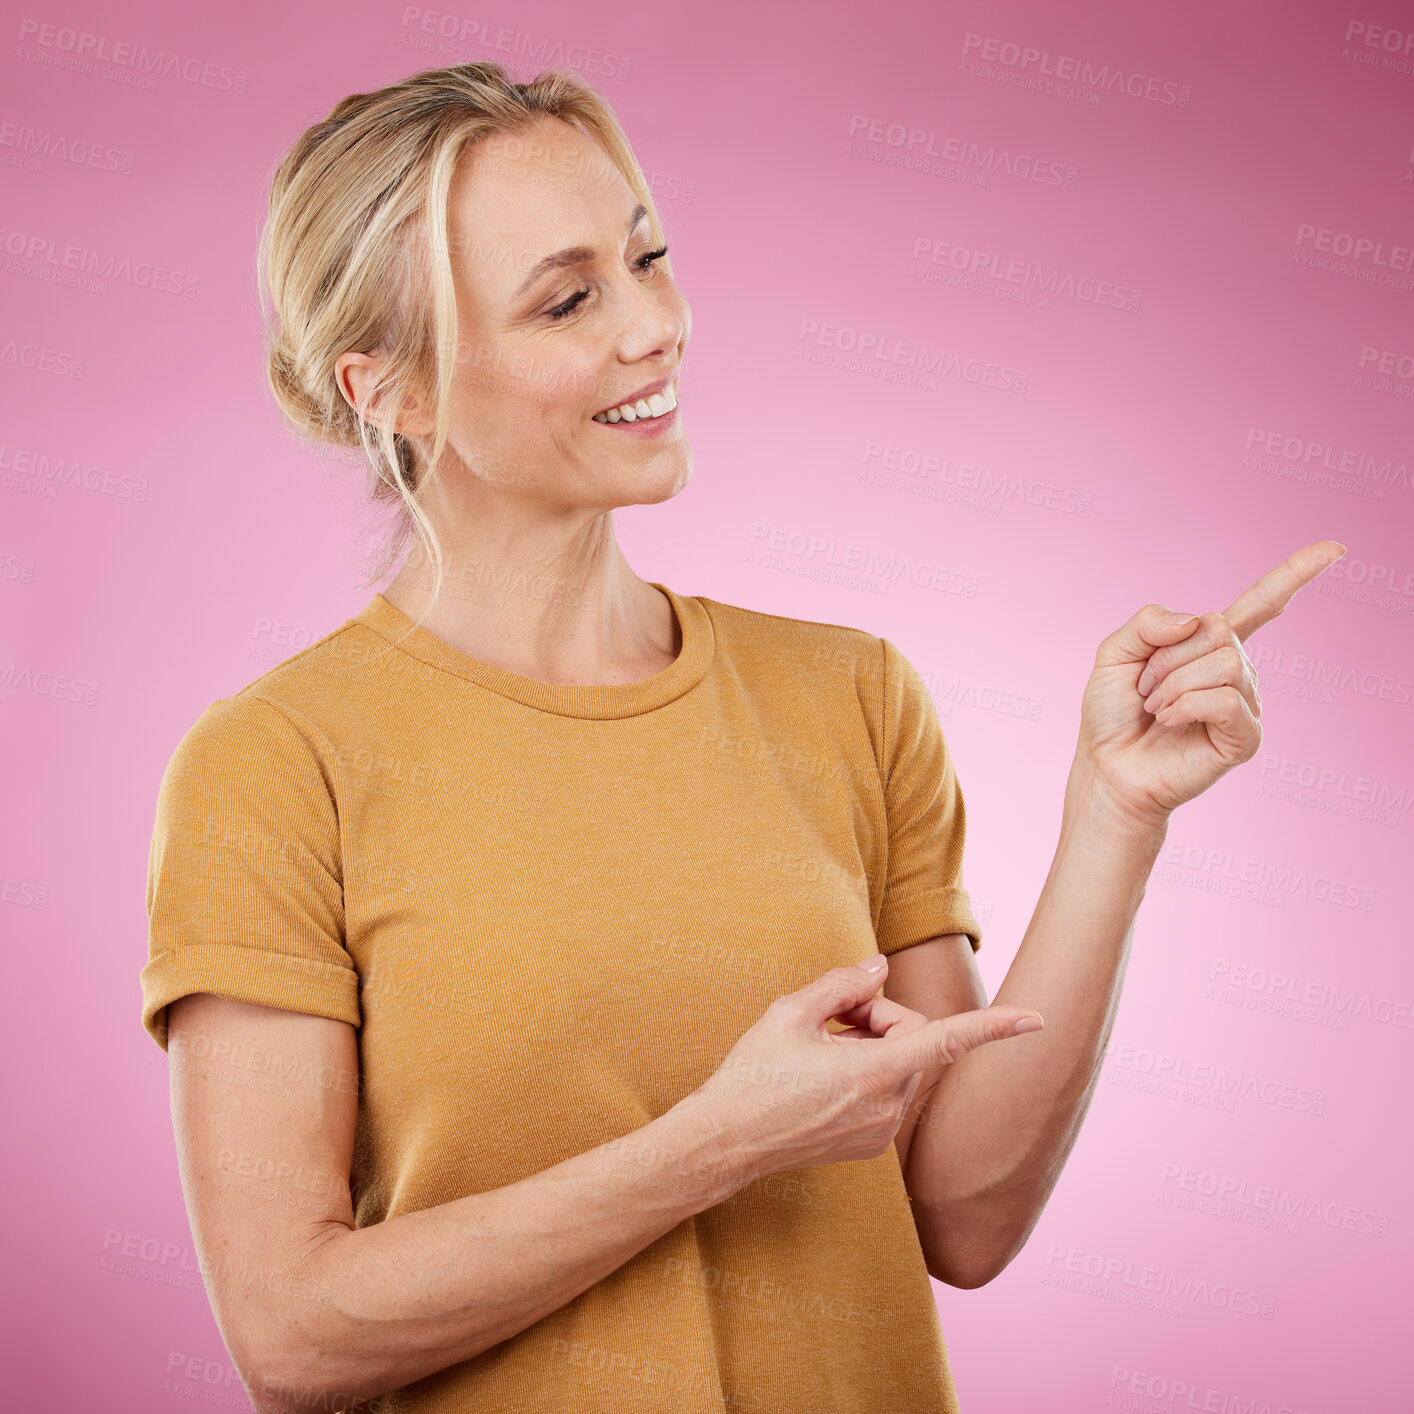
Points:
(570, 305)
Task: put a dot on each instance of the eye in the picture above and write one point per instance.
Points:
(644, 262)
(568, 307)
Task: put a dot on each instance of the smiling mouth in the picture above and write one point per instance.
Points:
(644, 409)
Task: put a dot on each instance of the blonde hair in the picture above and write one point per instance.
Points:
(354, 255)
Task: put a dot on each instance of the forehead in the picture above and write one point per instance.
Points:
(518, 197)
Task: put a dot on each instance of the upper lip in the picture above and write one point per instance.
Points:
(646, 391)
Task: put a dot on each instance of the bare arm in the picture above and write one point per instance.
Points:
(305, 1301)
(991, 1132)
(312, 1308)
(1170, 707)
(936, 979)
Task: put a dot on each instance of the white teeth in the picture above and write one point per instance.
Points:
(655, 406)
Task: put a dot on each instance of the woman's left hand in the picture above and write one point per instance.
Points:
(1171, 707)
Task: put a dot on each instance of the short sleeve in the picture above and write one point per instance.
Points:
(245, 891)
(927, 819)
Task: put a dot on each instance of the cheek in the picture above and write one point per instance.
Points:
(558, 382)
(538, 399)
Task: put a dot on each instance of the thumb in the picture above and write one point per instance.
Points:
(1152, 627)
(949, 1038)
(838, 990)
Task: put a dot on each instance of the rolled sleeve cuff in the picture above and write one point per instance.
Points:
(923, 916)
(246, 975)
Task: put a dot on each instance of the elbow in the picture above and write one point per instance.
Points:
(292, 1360)
(970, 1241)
(969, 1260)
(294, 1381)
(290, 1369)
(966, 1276)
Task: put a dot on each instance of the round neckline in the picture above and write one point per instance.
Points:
(597, 701)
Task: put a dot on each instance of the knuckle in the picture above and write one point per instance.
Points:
(950, 1043)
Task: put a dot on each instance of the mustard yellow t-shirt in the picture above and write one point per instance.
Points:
(550, 911)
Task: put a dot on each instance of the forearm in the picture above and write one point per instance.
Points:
(382, 1306)
(998, 1125)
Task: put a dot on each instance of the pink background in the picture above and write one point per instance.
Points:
(1167, 442)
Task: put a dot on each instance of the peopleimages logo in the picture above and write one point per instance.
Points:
(1386, 370)
(1379, 46)
(64, 47)
(1387, 361)
(1133, 1391)
(1334, 781)
(1358, 256)
(22, 146)
(1220, 867)
(905, 146)
(1223, 1084)
(772, 543)
(1041, 63)
(878, 355)
(1116, 1274)
(451, 34)
(1052, 281)
(1287, 994)
(1278, 1202)
(41, 257)
(1307, 452)
(965, 483)
(1317, 680)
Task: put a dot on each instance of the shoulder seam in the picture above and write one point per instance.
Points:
(290, 713)
(781, 618)
(883, 822)
(295, 657)
(335, 765)
(884, 779)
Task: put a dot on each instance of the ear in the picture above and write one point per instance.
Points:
(355, 374)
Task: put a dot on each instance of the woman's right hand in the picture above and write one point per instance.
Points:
(791, 1093)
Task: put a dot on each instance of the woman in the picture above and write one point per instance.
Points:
(570, 981)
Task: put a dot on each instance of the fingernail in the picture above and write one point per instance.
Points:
(1028, 1023)
(875, 963)
(1178, 620)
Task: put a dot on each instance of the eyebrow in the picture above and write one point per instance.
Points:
(575, 254)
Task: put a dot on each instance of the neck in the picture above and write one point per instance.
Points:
(556, 602)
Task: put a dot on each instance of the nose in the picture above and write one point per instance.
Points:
(656, 319)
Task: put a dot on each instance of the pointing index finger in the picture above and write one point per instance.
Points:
(1263, 601)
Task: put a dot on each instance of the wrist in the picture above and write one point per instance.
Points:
(1094, 807)
(714, 1158)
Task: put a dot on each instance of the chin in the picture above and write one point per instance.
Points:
(661, 483)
